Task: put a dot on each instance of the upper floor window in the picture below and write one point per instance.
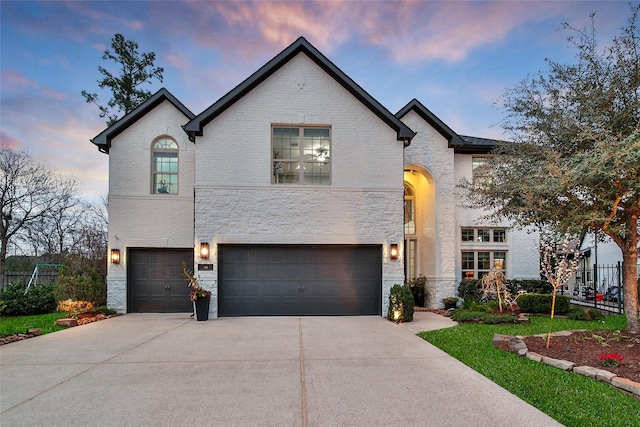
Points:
(165, 166)
(484, 235)
(301, 155)
(480, 168)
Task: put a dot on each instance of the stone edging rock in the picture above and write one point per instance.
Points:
(515, 344)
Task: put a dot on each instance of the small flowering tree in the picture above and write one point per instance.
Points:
(495, 283)
(559, 258)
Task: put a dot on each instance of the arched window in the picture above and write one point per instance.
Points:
(409, 209)
(165, 166)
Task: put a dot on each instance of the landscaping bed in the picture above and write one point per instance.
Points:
(584, 348)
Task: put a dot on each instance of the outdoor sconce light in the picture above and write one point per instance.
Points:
(393, 251)
(115, 256)
(204, 250)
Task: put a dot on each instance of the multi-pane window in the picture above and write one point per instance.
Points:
(165, 166)
(484, 235)
(468, 234)
(480, 168)
(301, 155)
(411, 257)
(476, 264)
(482, 251)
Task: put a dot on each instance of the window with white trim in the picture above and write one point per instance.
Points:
(483, 235)
(301, 155)
(164, 166)
(476, 264)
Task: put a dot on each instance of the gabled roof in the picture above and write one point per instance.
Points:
(460, 144)
(103, 139)
(196, 125)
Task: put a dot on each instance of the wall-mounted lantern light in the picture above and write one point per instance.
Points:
(115, 256)
(204, 250)
(393, 251)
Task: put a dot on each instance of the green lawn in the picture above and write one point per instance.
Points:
(20, 324)
(573, 400)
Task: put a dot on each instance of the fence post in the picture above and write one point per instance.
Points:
(595, 285)
(620, 290)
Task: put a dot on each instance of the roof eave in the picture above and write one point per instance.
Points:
(103, 139)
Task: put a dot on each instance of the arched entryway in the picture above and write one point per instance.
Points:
(420, 227)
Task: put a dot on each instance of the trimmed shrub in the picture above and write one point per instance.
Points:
(594, 314)
(469, 291)
(401, 304)
(466, 315)
(577, 313)
(476, 306)
(541, 303)
(481, 316)
(39, 300)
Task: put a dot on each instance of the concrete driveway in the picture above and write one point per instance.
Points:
(170, 370)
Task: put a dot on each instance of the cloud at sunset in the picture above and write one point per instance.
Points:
(457, 58)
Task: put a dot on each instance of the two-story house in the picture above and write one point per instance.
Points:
(296, 193)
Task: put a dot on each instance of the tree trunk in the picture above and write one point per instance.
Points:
(3, 257)
(630, 275)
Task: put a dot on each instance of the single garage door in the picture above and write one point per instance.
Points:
(155, 282)
(282, 280)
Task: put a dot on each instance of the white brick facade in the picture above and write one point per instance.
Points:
(138, 218)
(237, 203)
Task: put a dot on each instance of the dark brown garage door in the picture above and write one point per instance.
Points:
(282, 280)
(155, 281)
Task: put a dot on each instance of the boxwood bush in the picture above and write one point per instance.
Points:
(39, 299)
(541, 303)
(481, 316)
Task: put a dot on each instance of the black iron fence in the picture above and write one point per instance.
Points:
(600, 286)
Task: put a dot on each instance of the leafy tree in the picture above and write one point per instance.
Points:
(28, 192)
(574, 163)
(135, 69)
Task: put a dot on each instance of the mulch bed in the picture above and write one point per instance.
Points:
(585, 348)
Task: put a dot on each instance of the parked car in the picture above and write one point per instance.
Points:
(614, 294)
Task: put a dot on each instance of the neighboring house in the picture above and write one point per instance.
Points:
(286, 197)
(607, 256)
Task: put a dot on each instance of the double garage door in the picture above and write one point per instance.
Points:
(283, 280)
(264, 280)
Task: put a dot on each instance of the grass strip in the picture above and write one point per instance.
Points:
(573, 400)
(20, 324)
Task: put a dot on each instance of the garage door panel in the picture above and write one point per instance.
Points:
(299, 280)
(155, 282)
